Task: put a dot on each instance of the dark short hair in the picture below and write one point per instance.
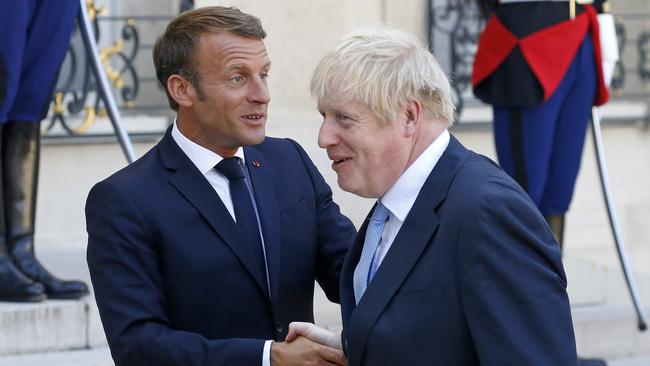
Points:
(175, 50)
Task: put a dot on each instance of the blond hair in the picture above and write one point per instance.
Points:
(384, 68)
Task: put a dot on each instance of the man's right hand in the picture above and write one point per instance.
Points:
(303, 352)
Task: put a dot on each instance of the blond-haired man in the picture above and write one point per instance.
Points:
(454, 265)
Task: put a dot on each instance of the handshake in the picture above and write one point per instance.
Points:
(308, 344)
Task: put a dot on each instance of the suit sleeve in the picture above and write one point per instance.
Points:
(335, 232)
(513, 286)
(129, 288)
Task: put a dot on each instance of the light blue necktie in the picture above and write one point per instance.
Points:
(373, 237)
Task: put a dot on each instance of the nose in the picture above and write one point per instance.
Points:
(327, 135)
(259, 92)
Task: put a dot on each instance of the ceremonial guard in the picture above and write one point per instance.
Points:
(34, 38)
(538, 65)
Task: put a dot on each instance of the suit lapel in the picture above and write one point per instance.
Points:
(347, 277)
(268, 211)
(412, 239)
(347, 270)
(189, 182)
(415, 235)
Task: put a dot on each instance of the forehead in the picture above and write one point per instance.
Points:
(225, 49)
(339, 103)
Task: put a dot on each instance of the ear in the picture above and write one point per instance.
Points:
(413, 113)
(181, 90)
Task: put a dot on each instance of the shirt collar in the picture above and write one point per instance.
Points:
(204, 159)
(402, 195)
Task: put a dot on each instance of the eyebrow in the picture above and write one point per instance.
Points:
(242, 66)
(339, 111)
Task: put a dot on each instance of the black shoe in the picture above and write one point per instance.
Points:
(591, 362)
(54, 288)
(15, 287)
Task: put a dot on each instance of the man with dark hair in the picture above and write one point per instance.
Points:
(203, 250)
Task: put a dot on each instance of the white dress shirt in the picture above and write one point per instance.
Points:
(401, 196)
(205, 160)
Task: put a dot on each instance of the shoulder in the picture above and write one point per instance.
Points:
(480, 176)
(140, 174)
(480, 185)
(492, 199)
(140, 168)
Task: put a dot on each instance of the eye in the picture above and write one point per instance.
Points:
(264, 75)
(341, 117)
(237, 79)
(344, 120)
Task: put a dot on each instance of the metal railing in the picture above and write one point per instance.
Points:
(76, 105)
(455, 26)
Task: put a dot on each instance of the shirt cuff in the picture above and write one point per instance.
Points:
(266, 354)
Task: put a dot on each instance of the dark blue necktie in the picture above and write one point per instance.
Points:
(244, 211)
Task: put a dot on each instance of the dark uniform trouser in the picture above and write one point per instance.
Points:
(34, 38)
(541, 146)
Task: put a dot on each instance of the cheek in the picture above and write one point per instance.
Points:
(382, 154)
(228, 102)
(388, 161)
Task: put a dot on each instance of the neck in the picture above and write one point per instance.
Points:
(191, 128)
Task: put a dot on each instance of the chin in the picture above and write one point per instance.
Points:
(342, 184)
(255, 140)
(356, 190)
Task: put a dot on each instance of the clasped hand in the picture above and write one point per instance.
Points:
(308, 344)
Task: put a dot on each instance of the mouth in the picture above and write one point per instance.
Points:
(338, 162)
(254, 118)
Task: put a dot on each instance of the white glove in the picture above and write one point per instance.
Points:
(608, 45)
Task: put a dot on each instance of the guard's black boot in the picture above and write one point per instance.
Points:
(21, 144)
(556, 223)
(14, 286)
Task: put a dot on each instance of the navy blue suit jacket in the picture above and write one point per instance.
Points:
(173, 282)
(474, 277)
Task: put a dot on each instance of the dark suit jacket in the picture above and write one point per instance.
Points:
(474, 277)
(173, 282)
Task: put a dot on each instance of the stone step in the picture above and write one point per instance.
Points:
(86, 357)
(49, 326)
(609, 332)
(53, 330)
(600, 281)
(101, 357)
(604, 320)
(632, 361)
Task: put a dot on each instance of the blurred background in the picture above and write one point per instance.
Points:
(79, 149)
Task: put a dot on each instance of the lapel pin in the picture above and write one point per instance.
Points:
(256, 163)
